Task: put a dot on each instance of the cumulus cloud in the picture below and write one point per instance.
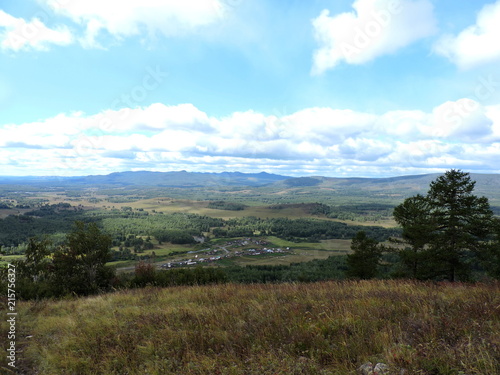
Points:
(127, 18)
(477, 44)
(461, 134)
(375, 28)
(326, 125)
(464, 119)
(18, 34)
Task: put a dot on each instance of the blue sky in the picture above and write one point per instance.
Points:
(320, 87)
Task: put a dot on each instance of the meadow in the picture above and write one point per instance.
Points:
(317, 328)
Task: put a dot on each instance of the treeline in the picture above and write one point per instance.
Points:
(332, 268)
(310, 230)
(146, 274)
(224, 205)
(361, 212)
(15, 230)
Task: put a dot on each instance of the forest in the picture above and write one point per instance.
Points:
(447, 234)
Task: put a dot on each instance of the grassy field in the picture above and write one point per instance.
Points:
(260, 211)
(321, 328)
(302, 252)
(200, 207)
(5, 259)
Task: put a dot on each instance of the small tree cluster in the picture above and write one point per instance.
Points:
(448, 231)
(77, 267)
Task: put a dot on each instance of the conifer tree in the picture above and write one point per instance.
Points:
(363, 262)
(448, 228)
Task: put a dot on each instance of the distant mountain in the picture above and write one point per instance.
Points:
(397, 187)
(160, 179)
(402, 186)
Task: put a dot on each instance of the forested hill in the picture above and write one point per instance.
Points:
(486, 184)
(402, 186)
(158, 179)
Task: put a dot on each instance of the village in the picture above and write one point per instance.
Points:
(230, 249)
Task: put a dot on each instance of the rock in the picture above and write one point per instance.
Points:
(366, 369)
(381, 369)
(369, 369)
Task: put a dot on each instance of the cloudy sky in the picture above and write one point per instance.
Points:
(317, 87)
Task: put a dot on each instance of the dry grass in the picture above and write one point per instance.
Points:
(322, 328)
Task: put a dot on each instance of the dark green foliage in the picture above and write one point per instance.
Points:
(319, 209)
(223, 205)
(299, 229)
(174, 236)
(363, 263)
(462, 222)
(34, 273)
(80, 265)
(49, 209)
(332, 268)
(146, 274)
(15, 230)
(490, 255)
(414, 215)
(448, 230)
(122, 254)
(310, 208)
(361, 212)
(312, 229)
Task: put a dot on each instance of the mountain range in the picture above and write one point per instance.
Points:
(486, 184)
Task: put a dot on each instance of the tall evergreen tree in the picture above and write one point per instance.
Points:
(414, 216)
(364, 261)
(448, 227)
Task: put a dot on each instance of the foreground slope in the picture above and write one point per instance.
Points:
(322, 328)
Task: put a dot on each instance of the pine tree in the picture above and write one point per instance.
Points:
(414, 217)
(364, 261)
(448, 228)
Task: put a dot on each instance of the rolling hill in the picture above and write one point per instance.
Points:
(261, 183)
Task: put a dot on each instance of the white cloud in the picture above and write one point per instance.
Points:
(363, 149)
(326, 126)
(375, 28)
(18, 34)
(127, 18)
(324, 140)
(464, 119)
(477, 44)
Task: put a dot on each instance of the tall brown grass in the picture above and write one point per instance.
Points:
(321, 328)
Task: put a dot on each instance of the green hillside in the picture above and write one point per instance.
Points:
(322, 328)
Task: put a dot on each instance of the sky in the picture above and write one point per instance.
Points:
(366, 88)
